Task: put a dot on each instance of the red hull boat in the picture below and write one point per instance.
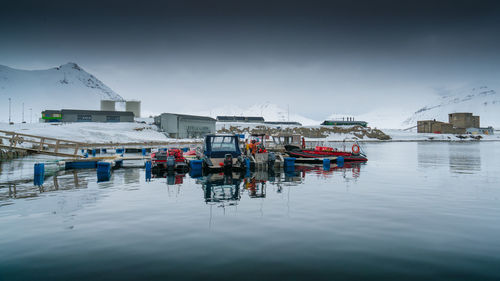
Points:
(323, 152)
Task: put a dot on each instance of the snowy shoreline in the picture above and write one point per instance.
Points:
(140, 132)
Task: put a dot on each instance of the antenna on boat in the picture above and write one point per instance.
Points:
(288, 105)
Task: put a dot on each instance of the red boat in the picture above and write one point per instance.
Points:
(355, 155)
(172, 159)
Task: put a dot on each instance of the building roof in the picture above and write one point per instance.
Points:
(93, 112)
(240, 119)
(469, 113)
(191, 116)
(342, 122)
(283, 123)
(49, 111)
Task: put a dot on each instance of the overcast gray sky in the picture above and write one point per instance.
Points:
(321, 57)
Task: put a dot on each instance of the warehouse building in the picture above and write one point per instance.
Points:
(463, 120)
(75, 115)
(185, 126)
(437, 127)
(458, 123)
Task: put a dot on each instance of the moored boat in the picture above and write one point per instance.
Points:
(171, 159)
(320, 152)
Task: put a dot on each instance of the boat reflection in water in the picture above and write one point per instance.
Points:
(173, 177)
(347, 171)
(226, 189)
(222, 189)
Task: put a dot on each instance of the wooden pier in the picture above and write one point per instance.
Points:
(67, 148)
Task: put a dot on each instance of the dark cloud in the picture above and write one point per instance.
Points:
(268, 48)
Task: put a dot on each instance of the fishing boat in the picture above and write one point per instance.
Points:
(321, 152)
(222, 152)
(171, 159)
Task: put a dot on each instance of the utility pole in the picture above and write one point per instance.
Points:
(9, 113)
(23, 114)
(288, 105)
(31, 115)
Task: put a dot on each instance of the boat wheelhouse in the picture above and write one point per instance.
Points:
(222, 152)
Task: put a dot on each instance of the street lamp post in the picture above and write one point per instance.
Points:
(9, 112)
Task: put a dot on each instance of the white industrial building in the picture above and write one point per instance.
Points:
(108, 105)
(134, 106)
(185, 126)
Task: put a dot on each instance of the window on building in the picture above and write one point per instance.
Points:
(112, 118)
(84, 117)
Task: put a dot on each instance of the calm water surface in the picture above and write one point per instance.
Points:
(415, 211)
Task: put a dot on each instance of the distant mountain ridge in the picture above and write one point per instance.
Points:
(270, 112)
(65, 86)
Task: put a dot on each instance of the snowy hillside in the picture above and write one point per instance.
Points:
(66, 86)
(270, 112)
(482, 100)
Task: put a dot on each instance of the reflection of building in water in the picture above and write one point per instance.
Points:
(459, 157)
(465, 158)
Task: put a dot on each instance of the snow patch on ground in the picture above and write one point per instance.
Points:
(91, 132)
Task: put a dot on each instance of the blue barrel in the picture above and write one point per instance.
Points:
(86, 155)
(148, 170)
(120, 151)
(195, 173)
(143, 152)
(93, 152)
(103, 167)
(340, 161)
(326, 164)
(289, 162)
(185, 149)
(196, 164)
(242, 136)
(39, 177)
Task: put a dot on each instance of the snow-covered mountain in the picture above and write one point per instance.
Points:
(66, 86)
(480, 100)
(270, 112)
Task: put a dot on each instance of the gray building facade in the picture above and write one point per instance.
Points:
(185, 126)
(75, 115)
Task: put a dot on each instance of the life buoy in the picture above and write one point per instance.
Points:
(355, 149)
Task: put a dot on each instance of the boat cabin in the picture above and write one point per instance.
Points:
(218, 146)
(222, 151)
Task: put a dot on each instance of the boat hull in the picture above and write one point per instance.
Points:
(348, 157)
